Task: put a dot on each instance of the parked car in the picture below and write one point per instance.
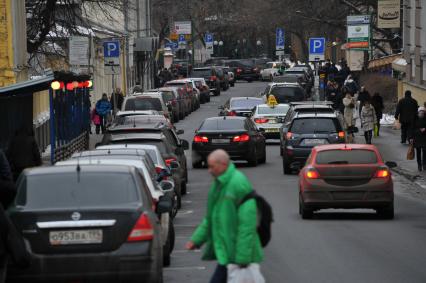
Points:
(346, 176)
(182, 66)
(185, 101)
(306, 131)
(88, 223)
(269, 119)
(244, 69)
(231, 76)
(284, 92)
(210, 74)
(157, 190)
(203, 88)
(239, 106)
(173, 101)
(223, 77)
(303, 71)
(300, 79)
(191, 91)
(239, 136)
(271, 70)
(146, 101)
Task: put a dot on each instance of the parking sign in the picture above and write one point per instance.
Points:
(316, 49)
(280, 40)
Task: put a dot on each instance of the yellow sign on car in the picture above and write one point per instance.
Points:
(272, 101)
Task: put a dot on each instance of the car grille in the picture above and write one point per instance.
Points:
(347, 182)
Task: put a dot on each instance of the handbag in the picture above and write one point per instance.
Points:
(250, 274)
(410, 152)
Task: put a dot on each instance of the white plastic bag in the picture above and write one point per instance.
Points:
(250, 274)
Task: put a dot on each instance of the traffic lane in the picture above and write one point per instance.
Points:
(187, 266)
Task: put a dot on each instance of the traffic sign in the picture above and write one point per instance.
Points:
(316, 49)
(111, 49)
(173, 45)
(280, 39)
(209, 38)
(182, 39)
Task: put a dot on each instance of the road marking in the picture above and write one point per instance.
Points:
(187, 201)
(185, 212)
(186, 251)
(185, 268)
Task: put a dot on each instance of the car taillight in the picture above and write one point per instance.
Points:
(382, 173)
(289, 135)
(241, 138)
(201, 139)
(232, 113)
(255, 69)
(169, 161)
(261, 120)
(213, 78)
(142, 231)
(312, 174)
(341, 135)
(239, 70)
(158, 169)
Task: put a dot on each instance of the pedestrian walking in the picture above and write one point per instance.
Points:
(348, 115)
(116, 100)
(368, 121)
(103, 109)
(350, 85)
(377, 102)
(418, 138)
(363, 96)
(228, 229)
(406, 112)
(96, 120)
(23, 151)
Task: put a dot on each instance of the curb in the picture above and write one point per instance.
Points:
(411, 176)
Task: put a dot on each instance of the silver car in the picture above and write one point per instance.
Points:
(269, 119)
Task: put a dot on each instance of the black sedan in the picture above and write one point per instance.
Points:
(240, 106)
(94, 223)
(239, 136)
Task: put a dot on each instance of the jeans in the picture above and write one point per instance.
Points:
(220, 275)
(368, 135)
(421, 156)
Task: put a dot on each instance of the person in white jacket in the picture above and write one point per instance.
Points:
(349, 102)
(368, 121)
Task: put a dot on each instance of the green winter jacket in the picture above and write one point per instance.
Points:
(229, 230)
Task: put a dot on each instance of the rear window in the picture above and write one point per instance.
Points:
(167, 96)
(143, 103)
(355, 156)
(245, 103)
(314, 126)
(277, 110)
(201, 73)
(287, 94)
(286, 79)
(85, 190)
(160, 145)
(220, 124)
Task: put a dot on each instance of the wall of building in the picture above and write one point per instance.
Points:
(7, 75)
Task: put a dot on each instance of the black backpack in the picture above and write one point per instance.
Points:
(264, 210)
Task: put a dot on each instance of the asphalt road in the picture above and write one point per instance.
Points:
(335, 246)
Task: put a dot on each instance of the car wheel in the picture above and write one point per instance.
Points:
(306, 213)
(286, 168)
(253, 160)
(183, 188)
(387, 212)
(179, 202)
(263, 159)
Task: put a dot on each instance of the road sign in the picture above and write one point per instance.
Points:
(112, 53)
(316, 49)
(173, 45)
(208, 38)
(358, 36)
(358, 20)
(79, 50)
(280, 53)
(183, 27)
(280, 39)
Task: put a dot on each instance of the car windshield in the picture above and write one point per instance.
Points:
(143, 103)
(201, 73)
(277, 110)
(352, 156)
(314, 126)
(287, 94)
(245, 103)
(223, 124)
(70, 190)
(286, 79)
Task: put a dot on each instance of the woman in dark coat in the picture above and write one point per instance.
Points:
(419, 138)
(377, 102)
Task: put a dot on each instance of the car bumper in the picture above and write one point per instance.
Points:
(318, 194)
(237, 151)
(297, 156)
(247, 76)
(270, 131)
(129, 261)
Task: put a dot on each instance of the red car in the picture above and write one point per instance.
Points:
(346, 176)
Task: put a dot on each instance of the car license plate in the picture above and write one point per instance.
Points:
(75, 237)
(313, 141)
(218, 141)
(272, 130)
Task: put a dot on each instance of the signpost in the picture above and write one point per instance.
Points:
(358, 28)
(182, 42)
(112, 63)
(316, 49)
(280, 42)
(209, 39)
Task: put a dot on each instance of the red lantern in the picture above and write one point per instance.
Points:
(55, 85)
(80, 85)
(62, 85)
(70, 86)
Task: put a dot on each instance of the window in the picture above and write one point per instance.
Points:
(277, 110)
(143, 103)
(314, 126)
(355, 156)
(223, 124)
(287, 94)
(245, 103)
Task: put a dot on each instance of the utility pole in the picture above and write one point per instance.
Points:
(127, 48)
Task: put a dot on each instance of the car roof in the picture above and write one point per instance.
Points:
(296, 69)
(103, 160)
(312, 106)
(343, 146)
(315, 115)
(167, 88)
(275, 84)
(128, 146)
(180, 81)
(135, 136)
(106, 152)
(138, 113)
(37, 171)
(246, 98)
(267, 106)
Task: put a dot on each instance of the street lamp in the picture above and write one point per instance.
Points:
(258, 45)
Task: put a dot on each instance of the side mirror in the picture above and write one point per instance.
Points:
(180, 132)
(165, 205)
(174, 165)
(167, 186)
(391, 164)
(185, 144)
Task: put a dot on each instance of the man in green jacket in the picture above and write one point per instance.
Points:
(229, 229)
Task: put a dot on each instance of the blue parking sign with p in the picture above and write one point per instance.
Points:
(182, 38)
(317, 45)
(209, 38)
(111, 49)
(280, 40)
